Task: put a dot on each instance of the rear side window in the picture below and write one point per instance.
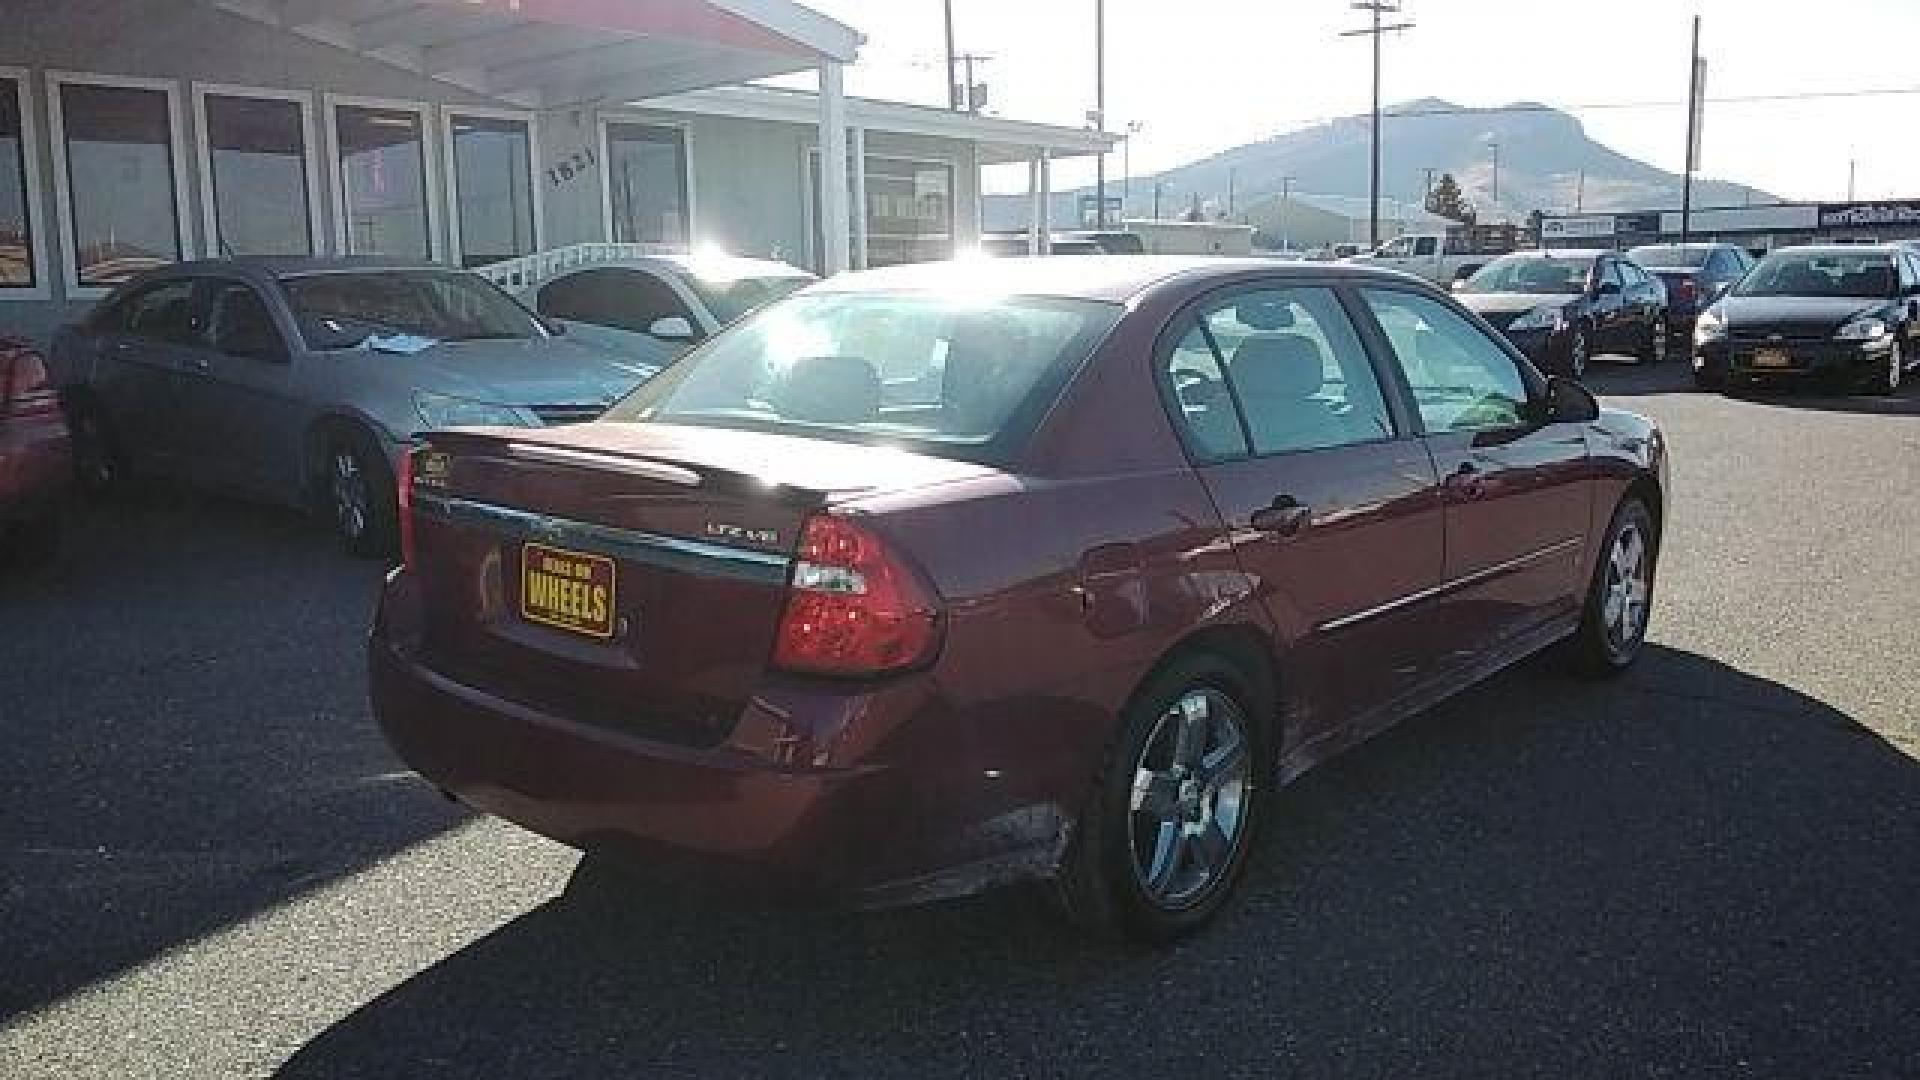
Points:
(1197, 385)
(943, 372)
(162, 311)
(623, 298)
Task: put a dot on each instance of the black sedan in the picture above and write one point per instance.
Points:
(1695, 276)
(1563, 307)
(1840, 316)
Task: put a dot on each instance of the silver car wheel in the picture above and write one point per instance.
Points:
(1578, 361)
(1660, 344)
(1896, 368)
(348, 484)
(1189, 804)
(1629, 582)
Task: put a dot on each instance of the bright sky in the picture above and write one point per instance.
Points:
(1203, 75)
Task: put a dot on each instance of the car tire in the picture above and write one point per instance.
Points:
(1888, 381)
(1579, 353)
(1709, 378)
(99, 461)
(1613, 621)
(1657, 344)
(357, 494)
(1168, 827)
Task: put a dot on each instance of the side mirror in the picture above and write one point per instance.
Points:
(671, 328)
(1567, 402)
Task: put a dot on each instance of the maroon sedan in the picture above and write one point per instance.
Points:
(34, 462)
(937, 577)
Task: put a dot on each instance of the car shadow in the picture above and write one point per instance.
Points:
(1688, 870)
(1633, 380)
(182, 700)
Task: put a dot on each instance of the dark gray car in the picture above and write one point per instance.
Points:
(302, 381)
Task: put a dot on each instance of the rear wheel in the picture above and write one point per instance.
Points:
(1579, 353)
(1613, 624)
(1656, 350)
(99, 466)
(358, 490)
(1166, 832)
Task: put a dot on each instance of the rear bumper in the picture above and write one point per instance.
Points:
(908, 821)
(36, 467)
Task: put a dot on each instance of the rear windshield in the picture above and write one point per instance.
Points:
(1671, 256)
(731, 298)
(400, 310)
(958, 376)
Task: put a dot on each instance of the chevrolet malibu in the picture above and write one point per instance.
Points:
(936, 577)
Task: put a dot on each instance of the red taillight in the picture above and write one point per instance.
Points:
(404, 495)
(26, 390)
(854, 607)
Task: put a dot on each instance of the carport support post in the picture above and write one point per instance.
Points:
(857, 151)
(836, 225)
(1033, 204)
(1043, 209)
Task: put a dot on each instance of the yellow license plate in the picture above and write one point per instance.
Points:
(567, 590)
(1773, 358)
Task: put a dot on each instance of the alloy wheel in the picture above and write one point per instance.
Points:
(348, 485)
(1578, 361)
(1629, 583)
(1659, 345)
(1189, 805)
(1896, 368)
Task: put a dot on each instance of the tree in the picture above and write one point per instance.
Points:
(1445, 200)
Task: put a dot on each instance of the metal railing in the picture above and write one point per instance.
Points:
(527, 271)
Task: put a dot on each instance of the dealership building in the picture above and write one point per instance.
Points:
(1761, 228)
(139, 132)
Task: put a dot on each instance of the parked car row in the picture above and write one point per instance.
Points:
(1562, 307)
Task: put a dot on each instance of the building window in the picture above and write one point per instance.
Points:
(257, 165)
(493, 188)
(383, 181)
(909, 211)
(647, 184)
(122, 203)
(16, 218)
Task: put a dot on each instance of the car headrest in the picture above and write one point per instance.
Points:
(828, 390)
(1278, 366)
(1264, 314)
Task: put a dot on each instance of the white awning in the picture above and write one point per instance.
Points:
(548, 53)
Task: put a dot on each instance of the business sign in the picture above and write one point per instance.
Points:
(1577, 228)
(1869, 215)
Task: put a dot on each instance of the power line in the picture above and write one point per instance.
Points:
(1603, 106)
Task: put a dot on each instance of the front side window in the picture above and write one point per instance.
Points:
(118, 145)
(16, 218)
(493, 185)
(402, 310)
(917, 369)
(647, 184)
(1863, 274)
(1461, 379)
(257, 163)
(1298, 370)
(239, 324)
(383, 181)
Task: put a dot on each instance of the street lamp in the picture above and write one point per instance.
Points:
(1134, 127)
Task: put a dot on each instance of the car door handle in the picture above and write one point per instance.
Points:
(1285, 516)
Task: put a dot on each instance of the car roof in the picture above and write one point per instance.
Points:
(709, 266)
(1560, 253)
(1110, 278)
(277, 266)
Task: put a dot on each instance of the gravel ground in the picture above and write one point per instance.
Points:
(210, 865)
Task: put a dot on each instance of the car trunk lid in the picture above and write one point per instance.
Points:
(632, 576)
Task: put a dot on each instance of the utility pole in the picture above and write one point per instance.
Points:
(1286, 212)
(1426, 200)
(1157, 185)
(1580, 193)
(1376, 8)
(969, 102)
(1852, 164)
(953, 88)
(1693, 132)
(1233, 180)
(1100, 110)
(1126, 165)
(1494, 146)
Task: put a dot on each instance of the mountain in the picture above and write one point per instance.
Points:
(1542, 154)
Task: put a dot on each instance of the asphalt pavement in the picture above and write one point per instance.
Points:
(210, 864)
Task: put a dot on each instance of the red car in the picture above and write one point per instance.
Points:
(936, 577)
(34, 456)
